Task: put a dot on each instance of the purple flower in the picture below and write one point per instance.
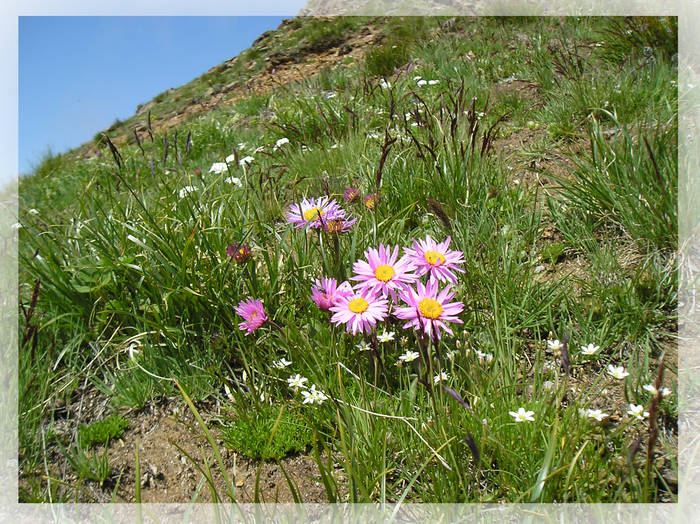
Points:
(314, 212)
(326, 292)
(434, 258)
(429, 309)
(253, 313)
(382, 272)
(351, 195)
(239, 252)
(359, 311)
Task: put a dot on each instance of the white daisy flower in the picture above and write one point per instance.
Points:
(637, 410)
(590, 349)
(186, 190)
(522, 416)
(218, 168)
(409, 356)
(296, 382)
(440, 377)
(281, 363)
(617, 372)
(364, 346)
(280, 143)
(313, 396)
(386, 336)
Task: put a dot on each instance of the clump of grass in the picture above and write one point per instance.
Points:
(250, 433)
(383, 60)
(553, 251)
(102, 431)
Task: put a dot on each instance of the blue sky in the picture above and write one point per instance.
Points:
(78, 74)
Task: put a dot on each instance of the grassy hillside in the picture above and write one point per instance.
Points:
(543, 150)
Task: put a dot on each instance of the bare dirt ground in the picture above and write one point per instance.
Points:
(172, 448)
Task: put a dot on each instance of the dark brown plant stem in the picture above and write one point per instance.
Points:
(565, 362)
(653, 422)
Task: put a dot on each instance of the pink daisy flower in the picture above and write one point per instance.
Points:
(382, 272)
(326, 292)
(429, 309)
(434, 258)
(359, 311)
(314, 212)
(253, 312)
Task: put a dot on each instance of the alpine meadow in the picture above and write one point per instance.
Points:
(370, 259)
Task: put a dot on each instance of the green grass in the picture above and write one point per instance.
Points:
(258, 434)
(136, 283)
(103, 430)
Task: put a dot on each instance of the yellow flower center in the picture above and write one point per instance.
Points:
(255, 314)
(241, 251)
(434, 258)
(430, 308)
(384, 273)
(358, 305)
(313, 214)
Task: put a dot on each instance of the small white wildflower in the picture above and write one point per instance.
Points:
(451, 354)
(218, 168)
(590, 349)
(637, 411)
(246, 160)
(296, 382)
(433, 82)
(185, 190)
(409, 356)
(281, 363)
(414, 124)
(16, 226)
(417, 78)
(386, 336)
(522, 416)
(548, 385)
(334, 146)
(617, 372)
(384, 84)
(364, 346)
(421, 82)
(230, 158)
(233, 180)
(652, 389)
(242, 145)
(440, 377)
(313, 396)
(403, 341)
(484, 357)
(33, 211)
(596, 414)
(372, 135)
(554, 345)
(259, 149)
(280, 143)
